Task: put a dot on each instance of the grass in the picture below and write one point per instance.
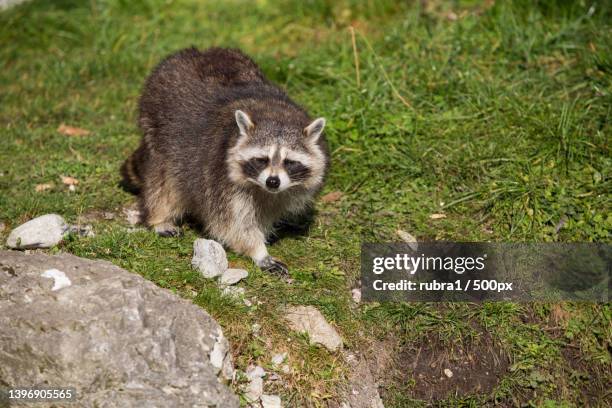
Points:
(497, 115)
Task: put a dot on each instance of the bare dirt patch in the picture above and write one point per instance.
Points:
(440, 370)
(432, 371)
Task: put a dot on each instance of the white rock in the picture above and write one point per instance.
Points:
(271, 401)
(278, 359)
(42, 232)
(255, 328)
(209, 257)
(255, 372)
(254, 390)
(232, 276)
(409, 239)
(448, 373)
(356, 293)
(60, 280)
(308, 319)
(286, 369)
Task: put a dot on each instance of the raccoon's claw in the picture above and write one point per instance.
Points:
(167, 230)
(273, 265)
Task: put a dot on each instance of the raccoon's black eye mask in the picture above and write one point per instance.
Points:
(296, 170)
(254, 166)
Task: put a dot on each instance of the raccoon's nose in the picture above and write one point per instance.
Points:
(273, 182)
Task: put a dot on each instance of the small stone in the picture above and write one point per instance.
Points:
(408, 238)
(308, 319)
(42, 232)
(278, 358)
(270, 401)
(286, 369)
(232, 276)
(247, 302)
(209, 257)
(255, 372)
(254, 390)
(356, 293)
(255, 328)
(438, 216)
(448, 373)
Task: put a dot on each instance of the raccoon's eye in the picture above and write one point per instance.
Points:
(261, 161)
(289, 163)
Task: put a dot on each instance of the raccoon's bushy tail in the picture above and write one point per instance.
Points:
(131, 171)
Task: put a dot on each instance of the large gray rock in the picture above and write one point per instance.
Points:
(41, 232)
(118, 339)
(209, 257)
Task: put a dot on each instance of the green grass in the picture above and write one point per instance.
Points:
(499, 118)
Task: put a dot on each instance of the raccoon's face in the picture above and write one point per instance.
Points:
(277, 158)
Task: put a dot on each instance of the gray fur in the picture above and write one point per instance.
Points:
(203, 115)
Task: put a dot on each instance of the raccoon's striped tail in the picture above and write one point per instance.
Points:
(131, 171)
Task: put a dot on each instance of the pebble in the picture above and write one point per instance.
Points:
(270, 401)
(278, 358)
(448, 373)
(408, 238)
(254, 390)
(209, 257)
(255, 372)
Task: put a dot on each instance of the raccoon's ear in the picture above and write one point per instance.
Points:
(244, 122)
(314, 130)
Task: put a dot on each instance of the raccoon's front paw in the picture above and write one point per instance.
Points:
(167, 230)
(273, 265)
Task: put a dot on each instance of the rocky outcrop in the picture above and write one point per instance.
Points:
(118, 339)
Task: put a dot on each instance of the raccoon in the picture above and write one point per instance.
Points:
(223, 145)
